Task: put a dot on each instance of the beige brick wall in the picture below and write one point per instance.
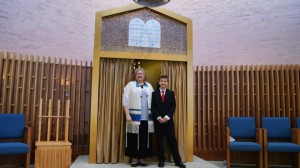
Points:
(226, 32)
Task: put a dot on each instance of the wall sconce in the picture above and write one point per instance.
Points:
(136, 64)
(67, 87)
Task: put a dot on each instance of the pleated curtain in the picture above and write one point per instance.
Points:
(114, 75)
(177, 72)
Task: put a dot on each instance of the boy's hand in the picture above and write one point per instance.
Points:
(161, 120)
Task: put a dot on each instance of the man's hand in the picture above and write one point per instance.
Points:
(128, 118)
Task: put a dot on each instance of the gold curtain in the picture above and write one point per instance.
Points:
(177, 72)
(114, 75)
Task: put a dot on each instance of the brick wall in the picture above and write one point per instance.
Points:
(225, 32)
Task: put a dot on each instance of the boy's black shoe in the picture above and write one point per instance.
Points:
(161, 164)
(180, 164)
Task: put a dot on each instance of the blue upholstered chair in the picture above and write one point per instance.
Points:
(244, 128)
(279, 128)
(297, 122)
(12, 129)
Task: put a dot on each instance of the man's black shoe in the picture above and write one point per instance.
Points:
(180, 164)
(143, 164)
(161, 164)
(134, 164)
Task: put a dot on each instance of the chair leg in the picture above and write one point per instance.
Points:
(261, 159)
(28, 160)
(228, 159)
(266, 159)
(298, 160)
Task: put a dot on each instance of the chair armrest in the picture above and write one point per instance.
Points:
(259, 136)
(227, 138)
(296, 135)
(227, 143)
(265, 138)
(27, 136)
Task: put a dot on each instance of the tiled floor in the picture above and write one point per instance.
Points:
(82, 162)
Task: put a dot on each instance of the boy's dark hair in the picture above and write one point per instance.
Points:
(164, 77)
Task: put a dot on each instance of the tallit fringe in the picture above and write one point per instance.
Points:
(132, 128)
(150, 127)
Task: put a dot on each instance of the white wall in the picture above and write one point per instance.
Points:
(227, 32)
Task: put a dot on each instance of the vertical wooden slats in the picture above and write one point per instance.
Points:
(35, 105)
(282, 91)
(79, 81)
(23, 87)
(248, 90)
(218, 110)
(297, 90)
(29, 89)
(4, 84)
(199, 112)
(42, 94)
(50, 110)
(17, 92)
(267, 91)
(288, 91)
(203, 98)
(29, 82)
(11, 79)
(2, 77)
(277, 87)
(57, 121)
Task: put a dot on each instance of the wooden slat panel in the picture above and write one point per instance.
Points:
(218, 120)
(287, 91)
(297, 90)
(237, 86)
(29, 89)
(11, 85)
(267, 110)
(78, 122)
(292, 94)
(208, 112)
(227, 110)
(199, 110)
(24, 82)
(5, 79)
(282, 91)
(72, 98)
(247, 92)
(211, 107)
(252, 91)
(277, 86)
(36, 98)
(2, 77)
(272, 90)
(42, 97)
(17, 87)
(255, 90)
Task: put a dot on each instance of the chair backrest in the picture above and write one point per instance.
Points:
(242, 127)
(277, 127)
(297, 122)
(12, 126)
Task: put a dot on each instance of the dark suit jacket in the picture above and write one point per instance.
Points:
(161, 109)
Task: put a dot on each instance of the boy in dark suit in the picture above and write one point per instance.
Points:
(163, 107)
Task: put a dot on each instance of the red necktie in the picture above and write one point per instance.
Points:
(163, 96)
